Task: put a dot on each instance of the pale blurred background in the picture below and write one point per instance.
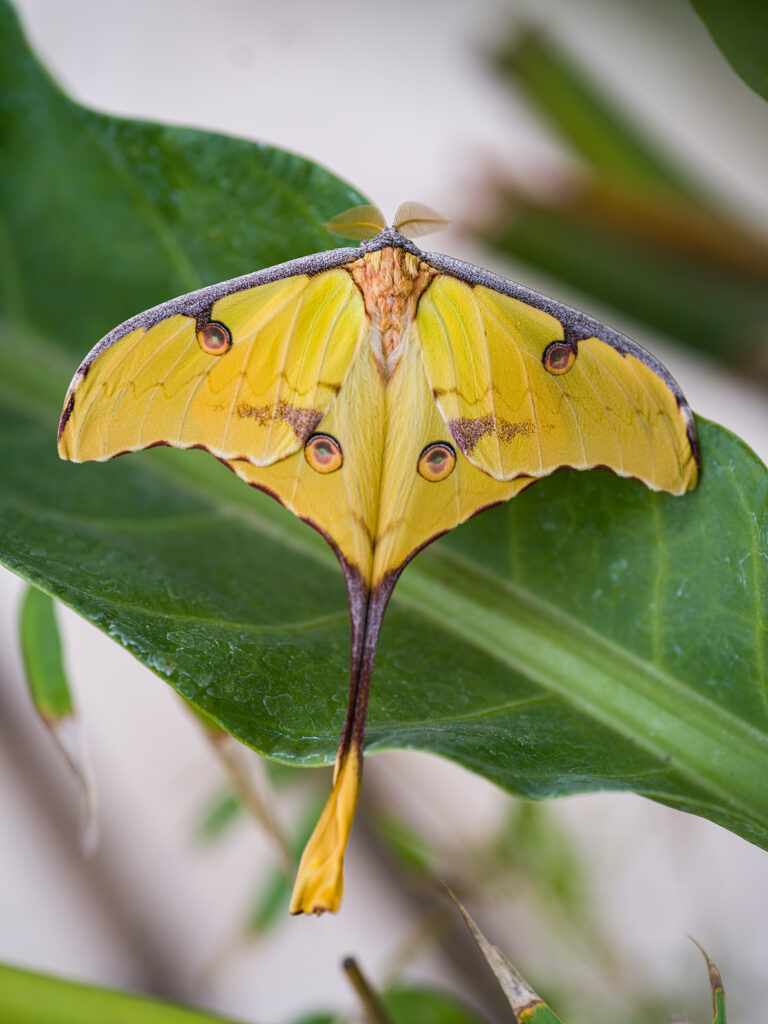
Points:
(417, 114)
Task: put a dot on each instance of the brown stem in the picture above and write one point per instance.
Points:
(369, 998)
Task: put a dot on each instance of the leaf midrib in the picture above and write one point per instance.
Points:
(695, 734)
(561, 619)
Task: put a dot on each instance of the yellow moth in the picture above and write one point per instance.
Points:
(384, 395)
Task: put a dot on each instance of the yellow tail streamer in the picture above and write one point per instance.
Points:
(320, 880)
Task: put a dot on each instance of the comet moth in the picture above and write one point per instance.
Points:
(384, 395)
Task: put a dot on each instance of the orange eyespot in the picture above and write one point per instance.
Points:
(214, 339)
(558, 357)
(436, 462)
(323, 453)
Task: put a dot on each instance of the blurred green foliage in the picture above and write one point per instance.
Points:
(630, 229)
(222, 812)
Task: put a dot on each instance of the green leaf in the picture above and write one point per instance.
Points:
(412, 1004)
(590, 634)
(27, 998)
(319, 1018)
(718, 1011)
(716, 987)
(526, 1005)
(740, 30)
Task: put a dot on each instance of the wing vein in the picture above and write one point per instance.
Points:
(288, 346)
(140, 369)
(601, 401)
(662, 414)
(630, 405)
(529, 390)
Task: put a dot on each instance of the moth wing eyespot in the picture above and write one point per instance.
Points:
(323, 453)
(558, 357)
(437, 461)
(214, 338)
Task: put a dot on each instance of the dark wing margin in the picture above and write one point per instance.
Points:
(196, 304)
(576, 325)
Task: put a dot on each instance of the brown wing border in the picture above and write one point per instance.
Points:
(196, 304)
(577, 326)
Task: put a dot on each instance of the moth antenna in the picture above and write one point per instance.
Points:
(358, 222)
(413, 220)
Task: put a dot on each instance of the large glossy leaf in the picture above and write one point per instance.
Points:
(590, 634)
(740, 30)
(103, 216)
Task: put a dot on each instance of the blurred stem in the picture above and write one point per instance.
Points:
(156, 963)
(422, 895)
(370, 1001)
(275, 895)
(244, 768)
(428, 931)
(675, 223)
